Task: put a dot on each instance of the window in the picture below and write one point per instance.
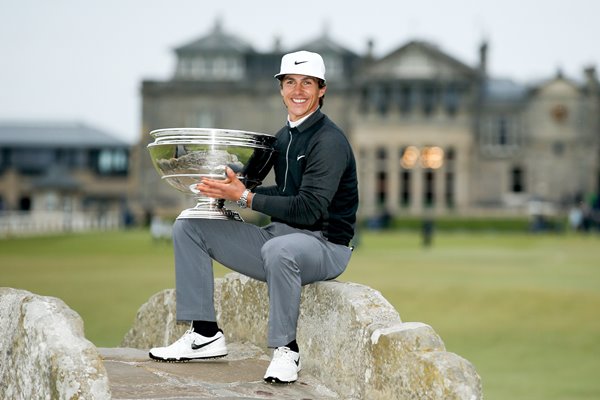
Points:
(429, 189)
(450, 156)
(220, 67)
(381, 187)
(449, 192)
(334, 67)
(502, 131)
(203, 67)
(501, 134)
(405, 188)
(199, 67)
(405, 99)
(381, 154)
(32, 161)
(451, 99)
(70, 158)
(382, 99)
(25, 203)
(364, 100)
(428, 100)
(517, 180)
(110, 161)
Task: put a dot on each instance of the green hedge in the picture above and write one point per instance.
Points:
(495, 224)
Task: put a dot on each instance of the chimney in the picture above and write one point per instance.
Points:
(483, 50)
(277, 44)
(370, 49)
(591, 80)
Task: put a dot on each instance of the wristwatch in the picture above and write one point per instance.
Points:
(243, 201)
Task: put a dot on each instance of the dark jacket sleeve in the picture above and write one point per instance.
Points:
(267, 190)
(326, 161)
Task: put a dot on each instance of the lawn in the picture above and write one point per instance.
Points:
(522, 308)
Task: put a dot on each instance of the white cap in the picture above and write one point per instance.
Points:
(302, 63)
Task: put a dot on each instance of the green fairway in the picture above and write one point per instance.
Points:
(524, 309)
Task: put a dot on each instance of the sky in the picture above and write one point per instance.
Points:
(84, 61)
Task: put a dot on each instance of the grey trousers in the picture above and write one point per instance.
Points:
(284, 257)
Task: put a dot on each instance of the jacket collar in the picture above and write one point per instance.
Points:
(310, 121)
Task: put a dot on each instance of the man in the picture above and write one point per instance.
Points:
(313, 211)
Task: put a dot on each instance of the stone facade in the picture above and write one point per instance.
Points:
(431, 134)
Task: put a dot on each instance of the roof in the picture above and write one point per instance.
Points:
(432, 63)
(324, 44)
(504, 90)
(56, 135)
(216, 41)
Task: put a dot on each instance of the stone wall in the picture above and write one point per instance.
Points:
(350, 337)
(43, 351)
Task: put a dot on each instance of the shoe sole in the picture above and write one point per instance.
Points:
(277, 381)
(185, 359)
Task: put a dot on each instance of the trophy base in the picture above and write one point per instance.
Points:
(211, 213)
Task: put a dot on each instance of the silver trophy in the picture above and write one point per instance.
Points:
(183, 156)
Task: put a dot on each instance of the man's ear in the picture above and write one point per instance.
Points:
(322, 91)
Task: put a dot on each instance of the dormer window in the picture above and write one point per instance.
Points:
(217, 56)
(334, 67)
(208, 67)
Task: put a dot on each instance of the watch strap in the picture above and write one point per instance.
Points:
(243, 201)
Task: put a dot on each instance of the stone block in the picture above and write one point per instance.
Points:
(409, 362)
(351, 339)
(155, 323)
(44, 353)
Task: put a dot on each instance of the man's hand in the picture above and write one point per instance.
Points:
(229, 189)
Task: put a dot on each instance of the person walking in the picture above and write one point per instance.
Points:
(312, 206)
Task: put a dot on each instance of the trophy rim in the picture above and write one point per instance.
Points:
(211, 136)
(158, 133)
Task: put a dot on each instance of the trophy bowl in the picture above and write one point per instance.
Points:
(183, 156)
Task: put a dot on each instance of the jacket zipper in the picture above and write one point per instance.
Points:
(287, 160)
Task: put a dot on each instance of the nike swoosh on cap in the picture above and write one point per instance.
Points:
(299, 62)
(199, 346)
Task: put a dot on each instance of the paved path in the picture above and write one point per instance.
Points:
(133, 375)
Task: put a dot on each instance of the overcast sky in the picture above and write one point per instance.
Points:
(83, 61)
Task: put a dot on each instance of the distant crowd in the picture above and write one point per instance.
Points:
(585, 216)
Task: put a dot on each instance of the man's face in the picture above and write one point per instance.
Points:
(301, 95)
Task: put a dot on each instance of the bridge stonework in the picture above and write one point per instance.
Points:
(353, 344)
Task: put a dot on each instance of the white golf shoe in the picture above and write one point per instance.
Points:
(192, 346)
(284, 366)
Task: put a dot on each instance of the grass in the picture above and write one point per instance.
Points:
(522, 308)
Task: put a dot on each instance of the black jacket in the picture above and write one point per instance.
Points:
(316, 183)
